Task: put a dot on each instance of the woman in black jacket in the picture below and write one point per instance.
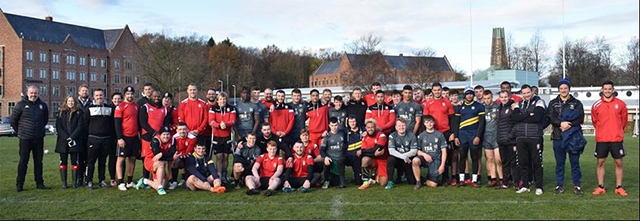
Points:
(69, 128)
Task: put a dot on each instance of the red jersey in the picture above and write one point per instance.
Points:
(172, 112)
(312, 150)
(268, 166)
(194, 114)
(226, 114)
(152, 118)
(440, 109)
(281, 118)
(318, 115)
(513, 97)
(609, 119)
(369, 142)
(185, 146)
(267, 103)
(301, 166)
(164, 147)
(370, 99)
(207, 129)
(384, 115)
(128, 112)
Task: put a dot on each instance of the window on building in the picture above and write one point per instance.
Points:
(1, 91)
(56, 58)
(43, 90)
(103, 78)
(71, 75)
(71, 59)
(71, 90)
(103, 63)
(56, 91)
(43, 56)
(116, 64)
(128, 80)
(55, 75)
(116, 78)
(11, 106)
(29, 56)
(116, 89)
(1, 71)
(83, 76)
(83, 61)
(56, 108)
(129, 65)
(29, 73)
(136, 80)
(94, 77)
(43, 73)
(93, 62)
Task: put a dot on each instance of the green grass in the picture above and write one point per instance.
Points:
(401, 202)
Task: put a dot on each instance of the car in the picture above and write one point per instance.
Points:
(5, 128)
(50, 129)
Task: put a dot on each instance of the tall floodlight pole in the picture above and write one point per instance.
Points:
(234, 95)
(564, 43)
(221, 85)
(179, 84)
(471, 43)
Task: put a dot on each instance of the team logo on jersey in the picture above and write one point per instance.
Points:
(616, 106)
(304, 163)
(400, 110)
(538, 146)
(199, 106)
(251, 109)
(571, 107)
(436, 140)
(462, 107)
(473, 108)
(621, 152)
(41, 107)
(151, 109)
(26, 106)
(443, 104)
(274, 164)
(506, 111)
(406, 143)
(411, 109)
(228, 109)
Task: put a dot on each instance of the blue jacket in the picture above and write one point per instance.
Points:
(572, 139)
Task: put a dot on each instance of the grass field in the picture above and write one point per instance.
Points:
(401, 202)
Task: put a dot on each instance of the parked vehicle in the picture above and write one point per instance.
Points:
(5, 128)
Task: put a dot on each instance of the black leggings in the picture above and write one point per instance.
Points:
(475, 156)
(64, 157)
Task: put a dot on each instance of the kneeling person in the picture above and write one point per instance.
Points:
(266, 171)
(432, 153)
(299, 173)
(403, 147)
(244, 157)
(204, 175)
(162, 151)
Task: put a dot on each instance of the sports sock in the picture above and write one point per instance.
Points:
(174, 174)
(601, 186)
(618, 187)
(120, 181)
(129, 179)
(474, 178)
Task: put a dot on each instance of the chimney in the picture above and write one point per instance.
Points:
(48, 18)
(499, 50)
(400, 55)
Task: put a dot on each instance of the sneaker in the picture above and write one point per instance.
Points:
(523, 190)
(304, 190)
(219, 189)
(181, 182)
(114, 183)
(599, 191)
(502, 187)
(267, 192)
(287, 189)
(558, 190)
(140, 184)
(19, 188)
(342, 185)
(476, 185)
(538, 191)
(325, 185)
(492, 183)
(42, 187)
(454, 182)
(131, 185)
(122, 187)
(578, 191)
(468, 181)
(389, 185)
(238, 186)
(173, 185)
(90, 185)
(104, 184)
(461, 183)
(253, 192)
(417, 186)
(621, 192)
(224, 180)
(161, 192)
(365, 185)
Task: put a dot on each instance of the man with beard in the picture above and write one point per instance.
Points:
(300, 172)
(382, 113)
(152, 116)
(185, 143)
(127, 131)
(193, 112)
(262, 109)
(373, 154)
(299, 108)
(248, 114)
(98, 121)
(83, 102)
(441, 110)
(281, 118)
(409, 110)
(326, 97)
(208, 132)
(318, 117)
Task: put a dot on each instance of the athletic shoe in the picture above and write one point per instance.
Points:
(502, 187)
(621, 192)
(558, 190)
(476, 185)
(523, 190)
(90, 185)
(252, 192)
(114, 183)
(19, 188)
(173, 185)
(342, 185)
(304, 190)
(578, 191)
(267, 192)
(140, 184)
(181, 182)
(104, 184)
(122, 187)
(224, 180)
(365, 185)
(417, 186)
(325, 185)
(468, 181)
(161, 192)
(538, 191)
(219, 189)
(287, 189)
(131, 185)
(238, 186)
(454, 182)
(492, 183)
(599, 191)
(389, 185)
(461, 184)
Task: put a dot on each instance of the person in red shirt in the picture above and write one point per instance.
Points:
(299, 173)
(506, 86)
(172, 111)
(373, 155)
(267, 100)
(382, 113)
(370, 99)
(222, 117)
(126, 127)
(318, 118)
(442, 111)
(185, 142)
(152, 117)
(312, 150)
(419, 96)
(281, 117)
(163, 150)
(609, 117)
(266, 172)
(193, 112)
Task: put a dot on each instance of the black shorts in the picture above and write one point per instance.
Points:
(296, 182)
(264, 183)
(221, 145)
(131, 147)
(206, 140)
(432, 168)
(246, 164)
(604, 148)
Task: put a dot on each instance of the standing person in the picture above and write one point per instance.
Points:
(357, 106)
(266, 171)
(409, 110)
(262, 109)
(403, 147)
(468, 130)
(490, 140)
(248, 114)
(83, 102)
(373, 154)
(354, 143)
(299, 108)
(370, 99)
(172, 111)
(338, 112)
(383, 113)
(318, 118)
(116, 99)
(326, 97)
(193, 111)
(127, 136)
(267, 98)
(244, 157)
(299, 173)
(479, 91)
(99, 123)
(609, 117)
(506, 141)
(69, 129)
(441, 110)
(147, 88)
(208, 131)
(396, 97)
(222, 118)
(419, 96)
(432, 154)
(454, 97)
(333, 150)
(566, 115)
(528, 115)
(281, 118)
(163, 150)
(152, 117)
(506, 86)
(202, 170)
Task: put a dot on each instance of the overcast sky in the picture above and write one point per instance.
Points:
(405, 26)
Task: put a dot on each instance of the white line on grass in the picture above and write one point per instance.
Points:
(336, 207)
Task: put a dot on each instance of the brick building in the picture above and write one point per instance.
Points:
(390, 70)
(58, 58)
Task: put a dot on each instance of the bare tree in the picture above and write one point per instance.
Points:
(538, 49)
(366, 44)
(631, 61)
(423, 69)
(367, 64)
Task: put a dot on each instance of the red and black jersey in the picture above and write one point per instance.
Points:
(269, 166)
(609, 118)
(218, 115)
(207, 129)
(318, 115)
(370, 142)
(268, 104)
(152, 118)
(441, 110)
(156, 145)
(301, 166)
(312, 150)
(370, 99)
(513, 97)
(281, 118)
(172, 112)
(126, 120)
(384, 115)
(185, 146)
(194, 114)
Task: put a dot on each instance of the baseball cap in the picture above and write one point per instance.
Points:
(468, 91)
(129, 89)
(167, 95)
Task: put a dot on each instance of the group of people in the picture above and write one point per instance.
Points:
(387, 139)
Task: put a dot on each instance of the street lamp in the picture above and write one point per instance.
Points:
(221, 85)
(234, 94)
(179, 84)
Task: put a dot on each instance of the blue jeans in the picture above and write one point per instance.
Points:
(574, 159)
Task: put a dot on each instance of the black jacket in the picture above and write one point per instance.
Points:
(69, 128)
(505, 125)
(29, 118)
(528, 117)
(556, 106)
(98, 120)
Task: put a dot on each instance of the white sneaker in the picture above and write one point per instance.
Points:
(523, 190)
(131, 185)
(122, 187)
(538, 191)
(181, 183)
(173, 185)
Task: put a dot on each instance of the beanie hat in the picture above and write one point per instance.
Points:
(564, 81)
(167, 95)
(468, 91)
(164, 129)
(129, 89)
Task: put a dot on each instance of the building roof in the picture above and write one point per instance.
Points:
(400, 63)
(328, 68)
(56, 32)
